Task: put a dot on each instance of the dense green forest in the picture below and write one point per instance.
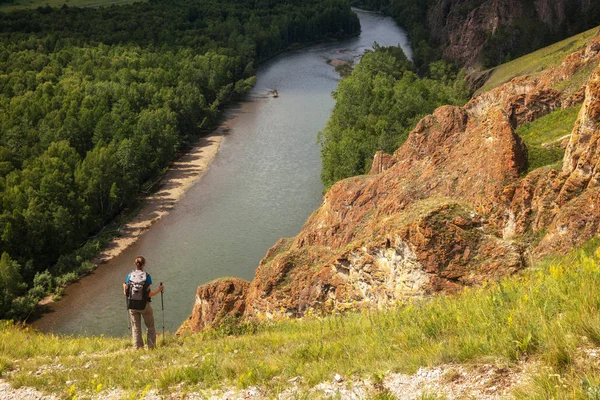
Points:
(94, 104)
(378, 105)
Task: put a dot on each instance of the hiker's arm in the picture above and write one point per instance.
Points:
(124, 289)
(157, 291)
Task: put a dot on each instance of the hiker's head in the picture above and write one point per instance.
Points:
(140, 262)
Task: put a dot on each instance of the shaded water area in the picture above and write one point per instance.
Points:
(262, 186)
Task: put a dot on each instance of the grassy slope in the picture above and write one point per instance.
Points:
(549, 314)
(543, 137)
(24, 4)
(537, 61)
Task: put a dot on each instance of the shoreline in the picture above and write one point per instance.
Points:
(180, 176)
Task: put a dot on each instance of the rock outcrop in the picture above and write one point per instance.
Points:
(432, 245)
(466, 33)
(381, 162)
(564, 205)
(217, 301)
(450, 208)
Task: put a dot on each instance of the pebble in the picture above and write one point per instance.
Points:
(22, 393)
(484, 382)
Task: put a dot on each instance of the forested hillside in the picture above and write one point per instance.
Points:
(94, 103)
(378, 105)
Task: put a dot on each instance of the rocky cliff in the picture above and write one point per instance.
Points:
(449, 208)
(466, 29)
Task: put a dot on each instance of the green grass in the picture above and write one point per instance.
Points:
(549, 313)
(25, 4)
(575, 82)
(544, 135)
(539, 60)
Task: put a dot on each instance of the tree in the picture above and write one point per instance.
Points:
(11, 283)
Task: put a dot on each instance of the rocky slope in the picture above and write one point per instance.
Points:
(449, 208)
(484, 382)
(465, 27)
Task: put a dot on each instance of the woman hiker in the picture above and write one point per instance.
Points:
(138, 292)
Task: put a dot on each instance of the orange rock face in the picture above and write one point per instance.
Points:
(381, 162)
(565, 205)
(450, 154)
(216, 301)
(426, 249)
(449, 208)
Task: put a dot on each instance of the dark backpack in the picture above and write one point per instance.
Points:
(137, 290)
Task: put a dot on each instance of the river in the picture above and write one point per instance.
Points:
(262, 185)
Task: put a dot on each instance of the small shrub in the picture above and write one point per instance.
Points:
(58, 293)
(44, 280)
(5, 365)
(559, 352)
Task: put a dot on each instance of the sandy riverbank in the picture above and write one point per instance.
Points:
(181, 175)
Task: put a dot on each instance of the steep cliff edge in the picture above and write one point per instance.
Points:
(449, 208)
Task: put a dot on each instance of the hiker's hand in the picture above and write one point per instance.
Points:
(161, 288)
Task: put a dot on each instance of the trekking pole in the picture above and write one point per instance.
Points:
(128, 316)
(162, 304)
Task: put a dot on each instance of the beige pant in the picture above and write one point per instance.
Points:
(136, 324)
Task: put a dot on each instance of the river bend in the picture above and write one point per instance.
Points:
(262, 185)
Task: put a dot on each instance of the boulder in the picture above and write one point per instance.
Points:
(217, 301)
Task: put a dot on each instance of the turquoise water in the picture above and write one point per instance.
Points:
(262, 186)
